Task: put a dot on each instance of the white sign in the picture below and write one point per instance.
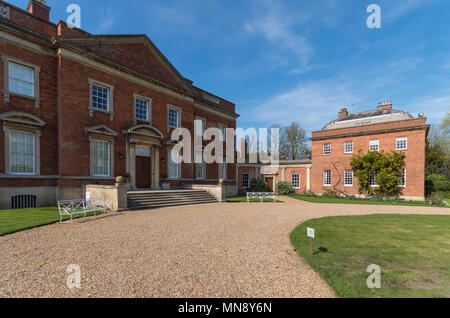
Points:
(88, 196)
(311, 232)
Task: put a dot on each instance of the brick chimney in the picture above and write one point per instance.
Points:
(39, 9)
(343, 113)
(385, 105)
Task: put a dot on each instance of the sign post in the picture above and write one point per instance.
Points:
(311, 234)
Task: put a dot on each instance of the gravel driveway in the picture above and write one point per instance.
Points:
(216, 250)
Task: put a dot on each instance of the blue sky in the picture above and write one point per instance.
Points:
(282, 61)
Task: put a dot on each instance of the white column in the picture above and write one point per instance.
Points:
(132, 161)
(155, 168)
(308, 179)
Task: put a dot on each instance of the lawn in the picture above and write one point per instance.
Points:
(351, 200)
(243, 198)
(12, 221)
(413, 252)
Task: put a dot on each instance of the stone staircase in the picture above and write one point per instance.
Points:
(143, 200)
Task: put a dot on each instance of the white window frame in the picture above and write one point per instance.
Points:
(326, 177)
(149, 109)
(92, 109)
(224, 169)
(346, 178)
(169, 156)
(203, 170)
(345, 147)
(376, 181)
(223, 129)
(34, 153)
(326, 152)
(292, 180)
(178, 110)
(94, 158)
(373, 143)
(401, 140)
(244, 186)
(7, 60)
(203, 120)
(403, 177)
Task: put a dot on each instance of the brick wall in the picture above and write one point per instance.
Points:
(338, 161)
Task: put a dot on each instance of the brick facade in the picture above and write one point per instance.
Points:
(414, 129)
(68, 59)
(383, 124)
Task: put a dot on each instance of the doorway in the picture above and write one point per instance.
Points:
(269, 182)
(143, 168)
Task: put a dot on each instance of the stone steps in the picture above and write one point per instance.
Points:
(143, 200)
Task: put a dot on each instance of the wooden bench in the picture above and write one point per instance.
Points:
(76, 207)
(261, 196)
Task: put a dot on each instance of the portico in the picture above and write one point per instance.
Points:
(143, 147)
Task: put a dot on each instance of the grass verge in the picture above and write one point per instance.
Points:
(12, 221)
(351, 200)
(413, 252)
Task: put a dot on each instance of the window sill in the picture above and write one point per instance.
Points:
(327, 185)
(93, 110)
(348, 186)
(138, 120)
(7, 95)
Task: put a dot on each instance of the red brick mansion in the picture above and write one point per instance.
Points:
(333, 147)
(78, 108)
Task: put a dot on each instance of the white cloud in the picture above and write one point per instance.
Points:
(313, 104)
(276, 26)
(397, 9)
(107, 21)
(433, 106)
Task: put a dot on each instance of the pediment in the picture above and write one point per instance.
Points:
(124, 50)
(22, 118)
(146, 131)
(101, 130)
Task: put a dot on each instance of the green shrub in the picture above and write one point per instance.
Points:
(437, 183)
(284, 188)
(258, 186)
(388, 166)
(436, 199)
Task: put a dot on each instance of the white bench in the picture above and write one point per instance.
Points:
(261, 196)
(76, 207)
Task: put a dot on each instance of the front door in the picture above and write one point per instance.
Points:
(269, 182)
(143, 168)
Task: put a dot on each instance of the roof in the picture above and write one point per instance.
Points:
(370, 117)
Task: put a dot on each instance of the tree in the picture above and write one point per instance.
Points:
(438, 149)
(293, 143)
(386, 167)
